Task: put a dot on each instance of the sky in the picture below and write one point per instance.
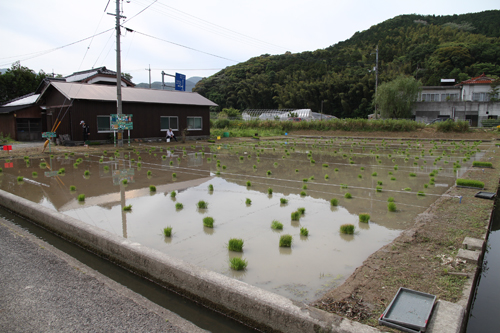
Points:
(195, 38)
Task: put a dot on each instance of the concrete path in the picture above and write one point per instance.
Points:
(44, 290)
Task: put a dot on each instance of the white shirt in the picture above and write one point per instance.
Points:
(170, 133)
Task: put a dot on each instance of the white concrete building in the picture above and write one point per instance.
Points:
(468, 100)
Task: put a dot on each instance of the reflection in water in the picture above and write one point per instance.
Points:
(295, 224)
(346, 237)
(208, 231)
(285, 250)
(364, 226)
(167, 240)
(304, 238)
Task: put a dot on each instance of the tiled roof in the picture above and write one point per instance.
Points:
(481, 79)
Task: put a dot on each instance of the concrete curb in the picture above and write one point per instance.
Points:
(259, 308)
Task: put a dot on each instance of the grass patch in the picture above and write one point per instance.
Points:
(202, 204)
(470, 183)
(208, 222)
(276, 225)
(286, 240)
(167, 232)
(238, 264)
(363, 217)
(235, 244)
(347, 229)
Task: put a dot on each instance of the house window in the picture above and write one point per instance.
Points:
(169, 122)
(194, 123)
(103, 124)
(430, 97)
(480, 97)
(449, 97)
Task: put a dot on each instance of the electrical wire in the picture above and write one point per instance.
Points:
(186, 47)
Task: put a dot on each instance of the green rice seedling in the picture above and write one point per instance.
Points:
(348, 195)
(202, 204)
(303, 193)
(254, 166)
(379, 182)
(149, 173)
(72, 188)
(275, 164)
(268, 172)
(179, 206)
(248, 201)
(173, 194)
(390, 199)
(152, 188)
(167, 232)
(124, 181)
(327, 177)
(482, 164)
(249, 183)
(363, 217)
(301, 210)
(238, 264)
(393, 178)
(470, 183)
(344, 186)
(336, 170)
(171, 163)
(174, 175)
(163, 157)
(432, 179)
(295, 216)
(127, 208)
(61, 171)
(43, 165)
(378, 188)
(334, 202)
(208, 222)
(211, 188)
(276, 225)
(412, 174)
(20, 178)
(139, 164)
(86, 173)
(360, 176)
(224, 167)
(407, 189)
(283, 201)
(421, 193)
(325, 165)
(286, 240)
(304, 187)
(106, 168)
(347, 229)
(391, 206)
(426, 185)
(101, 160)
(235, 244)
(241, 158)
(395, 167)
(34, 174)
(374, 174)
(304, 232)
(81, 197)
(311, 178)
(269, 191)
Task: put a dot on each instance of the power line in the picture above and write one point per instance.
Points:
(186, 47)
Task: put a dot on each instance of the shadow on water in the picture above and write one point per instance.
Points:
(197, 314)
(485, 305)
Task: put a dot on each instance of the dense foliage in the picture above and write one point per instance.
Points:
(18, 81)
(396, 98)
(426, 47)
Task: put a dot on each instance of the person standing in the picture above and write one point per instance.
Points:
(170, 135)
(86, 133)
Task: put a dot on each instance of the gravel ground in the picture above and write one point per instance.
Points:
(44, 290)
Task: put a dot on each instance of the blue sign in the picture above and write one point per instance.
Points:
(180, 82)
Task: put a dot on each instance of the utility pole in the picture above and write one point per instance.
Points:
(149, 76)
(376, 79)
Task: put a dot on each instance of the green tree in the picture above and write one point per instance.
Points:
(395, 98)
(18, 81)
(127, 76)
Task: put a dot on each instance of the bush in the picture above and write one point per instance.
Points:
(235, 244)
(347, 229)
(470, 183)
(482, 164)
(238, 264)
(364, 218)
(286, 240)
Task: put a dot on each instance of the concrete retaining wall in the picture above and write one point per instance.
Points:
(265, 310)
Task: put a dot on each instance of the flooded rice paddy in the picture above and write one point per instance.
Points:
(307, 173)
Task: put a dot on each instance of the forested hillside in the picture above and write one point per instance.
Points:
(426, 47)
